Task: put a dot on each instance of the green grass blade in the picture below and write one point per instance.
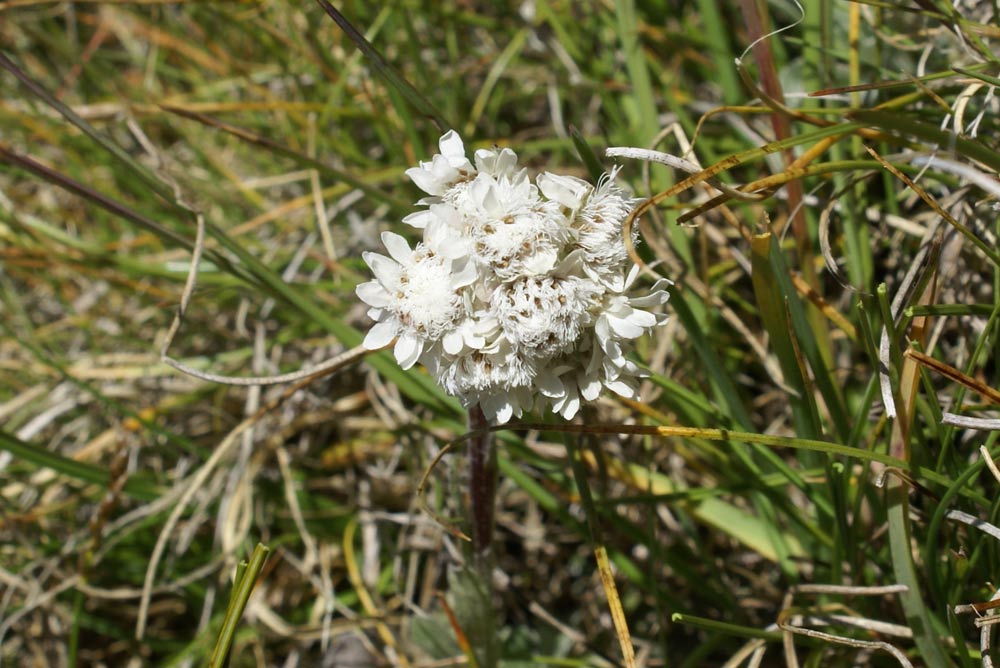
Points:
(137, 486)
(393, 78)
(242, 589)
(641, 105)
(806, 338)
(590, 160)
(774, 306)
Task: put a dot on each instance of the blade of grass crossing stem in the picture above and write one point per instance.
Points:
(772, 305)
(243, 586)
(601, 553)
(768, 440)
(393, 78)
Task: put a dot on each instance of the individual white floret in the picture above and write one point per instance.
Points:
(415, 297)
(445, 169)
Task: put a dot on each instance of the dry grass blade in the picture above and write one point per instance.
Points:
(615, 606)
(969, 422)
(367, 602)
(954, 374)
(193, 485)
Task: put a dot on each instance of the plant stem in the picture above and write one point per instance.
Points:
(482, 502)
(482, 485)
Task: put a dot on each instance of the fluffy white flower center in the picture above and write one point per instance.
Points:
(426, 300)
(545, 315)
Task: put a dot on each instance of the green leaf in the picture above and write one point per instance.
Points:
(137, 486)
(590, 160)
(393, 78)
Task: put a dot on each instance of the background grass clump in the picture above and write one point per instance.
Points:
(792, 437)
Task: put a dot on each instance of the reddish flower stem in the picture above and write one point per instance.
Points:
(482, 485)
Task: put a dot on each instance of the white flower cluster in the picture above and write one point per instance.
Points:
(516, 297)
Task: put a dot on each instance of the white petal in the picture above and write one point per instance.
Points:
(506, 162)
(407, 350)
(426, 180)
(451, 145)
(453, 342)
(621, 388)
(541, 262)
(602, 330)
(652, 299)
(633, 273)
(447, 214)
(483, 193)
(504, 413)
(373, 294)
(380, 335)
(550, 385)
(643, 319)
(385, 270)
(568, 405)
(657, 295)
(590, 388)
(496, 409)
(570, 408)
(486, 160)
(626, 328)
(467, 276)
(397, 247)
(496, 163)
(569, 191)
(419, 219)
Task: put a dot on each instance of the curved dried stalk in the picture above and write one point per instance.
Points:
(190, 283)
(791, 622)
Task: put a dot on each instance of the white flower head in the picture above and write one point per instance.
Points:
(516, 297)
(415, 297)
